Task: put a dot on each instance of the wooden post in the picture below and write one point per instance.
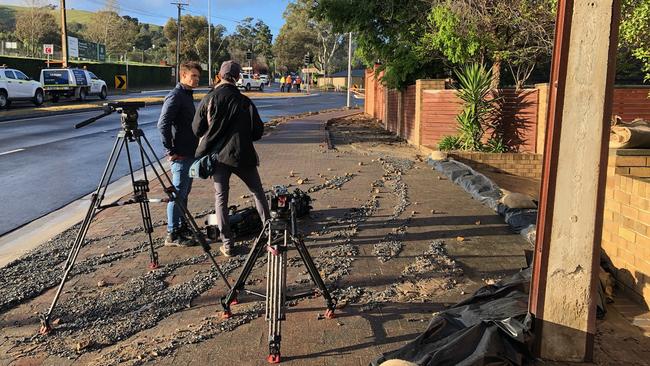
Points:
(567, 252)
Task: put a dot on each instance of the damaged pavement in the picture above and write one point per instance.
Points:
(395, 240)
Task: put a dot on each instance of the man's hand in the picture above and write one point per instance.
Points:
(174, 157)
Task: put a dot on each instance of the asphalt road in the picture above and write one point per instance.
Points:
(45, 163)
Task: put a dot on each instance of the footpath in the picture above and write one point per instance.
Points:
(397, 242)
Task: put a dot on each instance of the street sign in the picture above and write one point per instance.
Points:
(48, 49)
(73, 46)
(310, 70)
(120, 82)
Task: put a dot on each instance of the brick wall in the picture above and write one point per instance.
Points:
(408, 115)
(439, 111)
(522, 165)
(631, 103)
(626, 223)
(392, 111)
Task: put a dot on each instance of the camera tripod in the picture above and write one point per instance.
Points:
(130, 133)
(276, 276)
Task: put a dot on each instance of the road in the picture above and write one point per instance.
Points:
(46, 164)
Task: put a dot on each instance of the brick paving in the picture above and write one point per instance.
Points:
(477, 239)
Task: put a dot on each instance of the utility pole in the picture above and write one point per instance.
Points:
(180, 5)
(349, 67)
(209, 42)
(64, 35)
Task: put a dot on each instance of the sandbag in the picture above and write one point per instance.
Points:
(629, 135)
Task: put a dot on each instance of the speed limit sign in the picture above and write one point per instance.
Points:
(48, 49)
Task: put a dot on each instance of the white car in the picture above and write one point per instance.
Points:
(72, 82)
(15, 85)
(247, 82)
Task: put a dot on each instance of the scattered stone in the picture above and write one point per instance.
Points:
(101, 283)
(460, 239)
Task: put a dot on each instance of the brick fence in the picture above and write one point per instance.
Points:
(522, 165)
(425, 112)
(626, 221)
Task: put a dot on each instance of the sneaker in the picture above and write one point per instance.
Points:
(227, 252)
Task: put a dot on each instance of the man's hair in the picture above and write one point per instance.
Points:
(229, 78)
(189, 65)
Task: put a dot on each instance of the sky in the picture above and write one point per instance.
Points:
(226, 12)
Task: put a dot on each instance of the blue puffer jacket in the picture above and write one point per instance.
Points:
(175, 122)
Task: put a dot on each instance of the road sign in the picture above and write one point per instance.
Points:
(48, 49)
(120, 82)
(311, 69)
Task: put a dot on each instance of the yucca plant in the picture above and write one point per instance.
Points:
(449, 143)
(474, 88)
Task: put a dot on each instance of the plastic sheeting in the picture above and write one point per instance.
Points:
(491, 327)
(482, 189)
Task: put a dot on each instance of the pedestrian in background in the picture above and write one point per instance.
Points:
(175, 126)
(298, 82)
(282, 84)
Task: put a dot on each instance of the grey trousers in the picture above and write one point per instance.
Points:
(250, 177)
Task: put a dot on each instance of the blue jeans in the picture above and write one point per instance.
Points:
(183, 184)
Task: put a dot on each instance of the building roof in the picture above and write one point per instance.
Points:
(343, 74)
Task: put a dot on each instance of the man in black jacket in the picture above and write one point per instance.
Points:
(227, 123)
(175, 126)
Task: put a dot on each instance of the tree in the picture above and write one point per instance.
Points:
(194, 39)
(109, 28)
(387, 33)
(635, 31)
(36, 26)
(516, 32)
(256, 38)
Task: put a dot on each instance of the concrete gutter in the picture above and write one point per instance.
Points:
(26, 238)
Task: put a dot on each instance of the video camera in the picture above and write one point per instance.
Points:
(128, 110)
(280, 202)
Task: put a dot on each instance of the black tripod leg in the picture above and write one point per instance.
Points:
(316, 277)
(140, 189)
(95, 202)
(171, 192)
(253, 255)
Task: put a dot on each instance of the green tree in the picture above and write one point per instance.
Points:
(109, 28)
(255, 37)
(36, 26)
(194, 39)
(518, 33)
(387, 33)
(635, 31)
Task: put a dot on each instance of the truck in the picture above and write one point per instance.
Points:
(72, 82)
(247, 82)
(15, 86)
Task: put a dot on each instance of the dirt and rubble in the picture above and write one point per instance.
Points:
(388, 260)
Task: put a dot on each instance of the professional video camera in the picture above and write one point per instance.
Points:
(280, 199)
(244, 222)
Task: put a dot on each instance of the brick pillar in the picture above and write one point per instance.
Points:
(420, 86)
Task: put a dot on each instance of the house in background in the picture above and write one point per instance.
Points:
(339, 80)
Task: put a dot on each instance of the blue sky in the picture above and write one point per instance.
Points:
(225, 12)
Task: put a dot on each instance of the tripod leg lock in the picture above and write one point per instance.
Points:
(329, 314)
(274, 350)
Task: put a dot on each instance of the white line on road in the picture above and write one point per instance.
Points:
(10, 152)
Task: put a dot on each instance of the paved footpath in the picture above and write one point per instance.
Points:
(397, 241)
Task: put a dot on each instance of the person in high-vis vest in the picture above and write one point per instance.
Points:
(282, 84)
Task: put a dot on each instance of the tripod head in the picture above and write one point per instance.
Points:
(127, 110)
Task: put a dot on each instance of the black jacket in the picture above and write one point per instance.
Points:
(175, 122)
(228, 119)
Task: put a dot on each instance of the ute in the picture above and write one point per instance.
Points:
(15, 85)
(247, 82)
(72, 82)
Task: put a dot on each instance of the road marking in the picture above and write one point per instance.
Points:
(10, 152)
(265, 106)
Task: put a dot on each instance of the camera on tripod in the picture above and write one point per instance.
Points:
(280, 200)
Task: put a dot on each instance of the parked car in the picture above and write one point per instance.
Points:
(72, 82)
(15, 85)
(247, 82)
(264, 78)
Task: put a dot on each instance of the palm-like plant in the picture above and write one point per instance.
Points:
(474, 89)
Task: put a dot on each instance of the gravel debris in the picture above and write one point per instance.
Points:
(333, 183)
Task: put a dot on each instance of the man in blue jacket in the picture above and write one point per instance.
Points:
(175, 126)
